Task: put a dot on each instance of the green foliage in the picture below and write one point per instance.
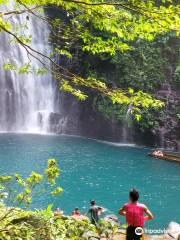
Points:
(24, 69)
(52, 171)
(4, 24)
(146, 67)
(42, 224)
(9, 66)
(150, 119)
(135, 105)
(25, 186)
(98, 39)
(96, 28)
(62, 52)
(111, 111)
(15, 223)
(141, 68)
(143, 119)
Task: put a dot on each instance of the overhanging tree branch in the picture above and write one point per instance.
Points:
(62, 73)
(125, 5)
(17, 12)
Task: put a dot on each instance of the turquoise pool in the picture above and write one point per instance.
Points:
(92, 169)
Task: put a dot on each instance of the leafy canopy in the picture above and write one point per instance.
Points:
(97, 27)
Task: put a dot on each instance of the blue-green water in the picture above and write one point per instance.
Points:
(91, 169)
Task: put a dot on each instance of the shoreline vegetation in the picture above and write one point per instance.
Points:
(20, 224)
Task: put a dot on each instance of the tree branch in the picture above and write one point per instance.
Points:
(19, 12)
(126, 6)
(29, 50)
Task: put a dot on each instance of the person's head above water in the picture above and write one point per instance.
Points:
(76, 210)
(133, 195)
(93, 202)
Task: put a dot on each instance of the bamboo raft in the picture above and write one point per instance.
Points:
(167, 156)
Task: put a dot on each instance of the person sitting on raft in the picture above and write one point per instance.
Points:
(94, 211)
(76, 213)
(158, 153)
(134, 213)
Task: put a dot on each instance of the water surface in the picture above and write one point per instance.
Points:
(91, 169)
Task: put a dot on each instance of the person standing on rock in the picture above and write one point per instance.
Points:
(94, 212)
(135, 213)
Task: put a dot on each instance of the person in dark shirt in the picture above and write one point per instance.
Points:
(94, 212)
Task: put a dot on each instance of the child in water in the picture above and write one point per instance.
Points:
(135, 216)
(58, 212)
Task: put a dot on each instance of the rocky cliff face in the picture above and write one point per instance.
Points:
(168, 134)
(135, 69)
(80, 118)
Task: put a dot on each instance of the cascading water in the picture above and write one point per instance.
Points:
(26, 101)
(31, 103)
(125, 129)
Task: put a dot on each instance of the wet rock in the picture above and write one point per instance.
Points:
(57, 122)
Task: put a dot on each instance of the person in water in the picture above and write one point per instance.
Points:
(94, 212)
(58, 212)
(76, 213)
(135, 213)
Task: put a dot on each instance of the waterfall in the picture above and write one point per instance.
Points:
(125, 130)
(27, 100)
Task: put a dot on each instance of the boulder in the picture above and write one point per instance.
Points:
(173, 230)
